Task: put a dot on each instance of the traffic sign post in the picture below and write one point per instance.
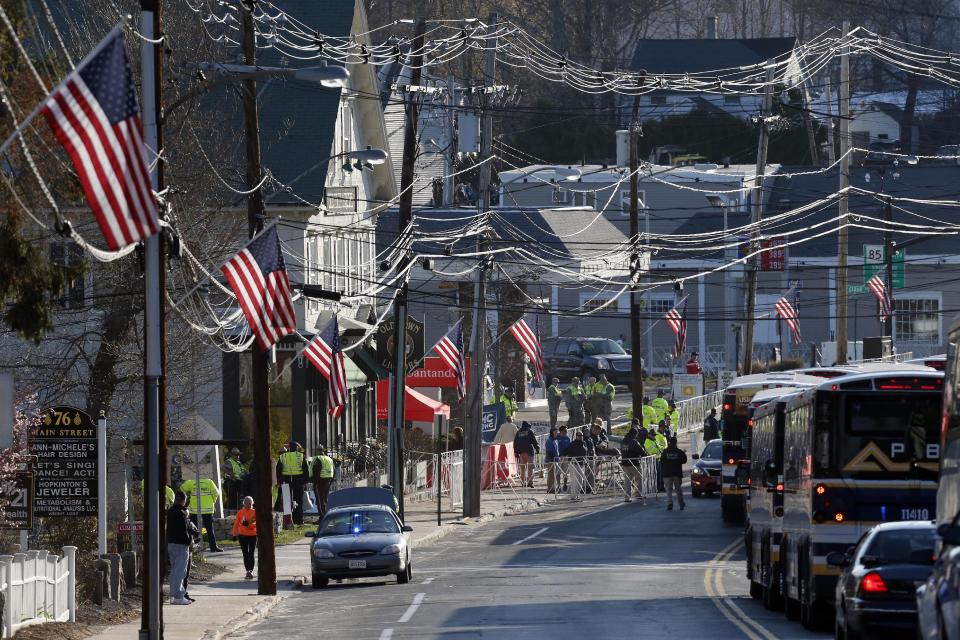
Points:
(874, 262)
(65, 467)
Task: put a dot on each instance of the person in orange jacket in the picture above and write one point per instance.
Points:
(245, 531)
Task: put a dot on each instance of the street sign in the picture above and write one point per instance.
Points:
(414, 340)
(725, 378)
(874, 261)
(18, 503)
(687, 385)
(774, 256)
(65, 445)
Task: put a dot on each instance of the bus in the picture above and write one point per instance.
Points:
(857, 451)
(735, 428)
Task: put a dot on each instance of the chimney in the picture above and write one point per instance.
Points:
(711, 27)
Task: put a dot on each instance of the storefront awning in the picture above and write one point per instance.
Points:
(416, 406)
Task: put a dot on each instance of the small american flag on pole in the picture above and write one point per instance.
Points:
(450, 350)
(326, 354)
(258, 276)
(878, 286)
(530, 344)
(788, 313)
(95, 115)
(677, 321)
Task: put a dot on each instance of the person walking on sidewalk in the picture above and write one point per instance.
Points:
(245, 532)
(292, 471)
(322, 479)
(178, 547)
(632, 451)
(203, 500)
(672, 461)
(525, 447)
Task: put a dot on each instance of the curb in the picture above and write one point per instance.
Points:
(248, 617)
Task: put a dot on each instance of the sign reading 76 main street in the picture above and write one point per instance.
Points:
(65, 470)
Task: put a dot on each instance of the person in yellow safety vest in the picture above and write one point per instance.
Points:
(589, 408)
(661, 436)
(649, 443)
(554, 400)
(323, 468)
(649, 414)
(168, 494)
(292, 470)
(573, 398)
(233, 472)
(660, 404)
(507, 399)
(604, 393)
(674, 416)
(203, 499)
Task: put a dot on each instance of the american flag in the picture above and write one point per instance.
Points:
(95, 115)
(789, 315)
(259, 278)
(677, 321)
(530, 344)
(325, 353)
(450, 350)
(878, 285)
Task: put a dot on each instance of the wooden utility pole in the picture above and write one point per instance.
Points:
(636, 353)
(474, 430)
(260, 367)
(888, 255)
(843, 248)
(404, 217)
(757, 215)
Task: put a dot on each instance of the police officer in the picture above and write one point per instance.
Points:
(554, 398)
(674, 415)
(203, 499)
(322, 478)
(508, 400)
(589, 402)
(711, 427)
(573, 398)
(660, 404)
(292, 470)
(604, 392)
(233, 472)
(649, 414)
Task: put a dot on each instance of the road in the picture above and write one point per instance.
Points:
(597, 569)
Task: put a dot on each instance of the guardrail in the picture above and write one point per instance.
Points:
(38, 587)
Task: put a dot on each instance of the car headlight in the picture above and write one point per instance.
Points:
(603, 363)
(320, 553)
(390, 550)
(697, 471)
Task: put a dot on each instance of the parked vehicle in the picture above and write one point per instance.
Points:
(875, 593)
(705, 473)
(881, 153)
(568, 357)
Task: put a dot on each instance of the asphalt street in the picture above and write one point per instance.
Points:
(597, 569)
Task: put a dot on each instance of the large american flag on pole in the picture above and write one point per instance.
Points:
(530, 344)
(326, 354)
(878, 286)
(788, 313)
(450, 350)
(258, 276)
(95, 115)
(677, 321)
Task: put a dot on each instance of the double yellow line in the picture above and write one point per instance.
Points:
(713, 584)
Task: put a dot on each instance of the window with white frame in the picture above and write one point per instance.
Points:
(916, 318)
(658, 306)
(560, 196)
(625, 201)
(593, 302)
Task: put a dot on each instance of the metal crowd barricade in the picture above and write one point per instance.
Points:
(692, 414)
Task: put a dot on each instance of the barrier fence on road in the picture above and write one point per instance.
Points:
(38, 587)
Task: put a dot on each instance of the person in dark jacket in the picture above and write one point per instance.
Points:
(575, 454)
(179, 539)
(711, 427)
(631, 452)
(671, 461)
(551, 459)
(525, 447)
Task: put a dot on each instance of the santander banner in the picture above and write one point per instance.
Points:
(434, 373)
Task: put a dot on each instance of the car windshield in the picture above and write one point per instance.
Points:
(903, 546)
(713, 451)
(601, 347)
(345, 523)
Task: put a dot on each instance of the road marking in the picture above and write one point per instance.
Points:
(593, 513)
(412, 609)
(531, 536)
(713, 584)
(386, 634)
(429, 580)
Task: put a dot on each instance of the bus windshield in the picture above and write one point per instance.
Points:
(902, 428)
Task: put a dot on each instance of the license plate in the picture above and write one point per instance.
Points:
(356, 564)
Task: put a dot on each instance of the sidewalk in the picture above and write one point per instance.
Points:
(228, 603)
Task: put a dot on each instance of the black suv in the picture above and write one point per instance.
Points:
(582, 357)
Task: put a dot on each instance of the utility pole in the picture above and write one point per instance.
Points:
(260, 362)
(450, 159)
(842, 240)
(757, 215)
(888, 250)
(471, 443)
(636, 353)
(404, 217)
(151, 602)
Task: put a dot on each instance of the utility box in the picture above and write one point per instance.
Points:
(877, 347)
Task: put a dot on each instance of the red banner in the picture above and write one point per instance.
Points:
(774, 256)
(435, 373)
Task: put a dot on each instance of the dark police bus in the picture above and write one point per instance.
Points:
(857, 451)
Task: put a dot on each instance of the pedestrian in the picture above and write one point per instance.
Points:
(573, 398)
(323, 469)
(711, 428)
(631, 452)
(554, 398)
(178, 547)
(660, 404)
(245, 532)
(361, 462)
(674, 415)
(233, 471)
(509, 402)
(563, 441)
(672, 460)
(525, 447)
(203, 499)
(551, 459)
(292, 471)
(507, 432)
(597, 446)
(605, 393)
(693, 364)
(575, 454)
(589, 401)
(455, 439)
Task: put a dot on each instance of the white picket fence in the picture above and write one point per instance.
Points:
(38, 587)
